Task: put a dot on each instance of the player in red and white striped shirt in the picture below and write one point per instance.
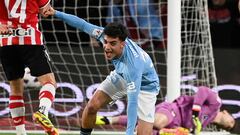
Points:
(21, 46)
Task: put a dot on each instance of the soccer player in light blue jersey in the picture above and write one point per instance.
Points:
(134, 76)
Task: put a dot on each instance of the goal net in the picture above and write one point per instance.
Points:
(79, 63)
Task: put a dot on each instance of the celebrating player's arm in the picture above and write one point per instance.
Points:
(141, 102)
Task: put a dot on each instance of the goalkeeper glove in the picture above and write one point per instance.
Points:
(102, 120)
(197, 123)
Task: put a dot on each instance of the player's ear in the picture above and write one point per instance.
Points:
(122, 44)
(225, 111)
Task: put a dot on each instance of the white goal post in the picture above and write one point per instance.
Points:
(174, 50)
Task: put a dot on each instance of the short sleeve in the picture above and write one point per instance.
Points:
(42, 3)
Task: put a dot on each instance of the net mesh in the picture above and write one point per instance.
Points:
(79, 63)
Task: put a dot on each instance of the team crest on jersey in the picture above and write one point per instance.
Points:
(97, 32)
(205, 117)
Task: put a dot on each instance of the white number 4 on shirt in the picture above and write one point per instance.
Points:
(12, 13)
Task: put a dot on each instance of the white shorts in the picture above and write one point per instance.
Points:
(116, 87)
(146, 106)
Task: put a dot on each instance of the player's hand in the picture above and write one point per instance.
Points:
(50, 12)
(196, 122)
(47, 11)
(5, 29)
(197, 125)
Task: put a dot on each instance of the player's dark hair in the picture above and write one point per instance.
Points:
(115, 30)
(236, 127)
(234, 130)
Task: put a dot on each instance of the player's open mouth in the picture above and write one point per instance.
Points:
(108, 54)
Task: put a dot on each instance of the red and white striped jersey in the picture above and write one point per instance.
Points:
(22, 15)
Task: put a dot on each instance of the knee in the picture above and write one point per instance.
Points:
(92, 108)
(99, 100)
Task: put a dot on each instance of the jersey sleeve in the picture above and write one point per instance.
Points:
(42, 3)
(133, 88)
(205, 94)
(79, 23)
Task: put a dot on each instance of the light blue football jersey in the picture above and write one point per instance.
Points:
(135, 66)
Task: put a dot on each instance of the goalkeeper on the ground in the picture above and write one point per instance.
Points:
(190, 113)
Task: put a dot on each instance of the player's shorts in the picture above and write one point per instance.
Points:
(115, 87)
(172, 112)
(15, 58)
(146, 106)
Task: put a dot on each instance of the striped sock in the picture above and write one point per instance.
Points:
(46, 97)
(17, 110)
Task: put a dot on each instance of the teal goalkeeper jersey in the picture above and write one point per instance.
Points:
(135, 66)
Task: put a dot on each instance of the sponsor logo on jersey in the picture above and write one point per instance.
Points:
(205, 117)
